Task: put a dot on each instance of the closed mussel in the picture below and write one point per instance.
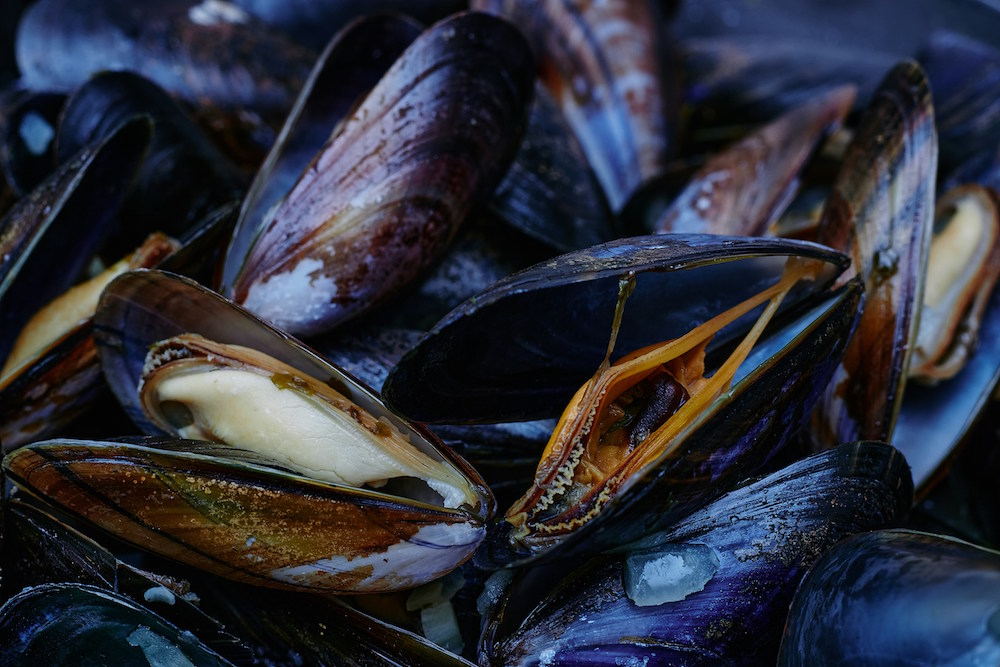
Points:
(881, 213)
(186, 362)
(63, 624)
(379, 201)
(713, 589)
(647, 437)
(897, 597)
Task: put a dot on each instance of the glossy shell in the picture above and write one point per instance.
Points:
(897, 597)
(59, 624)
(480, 364)
(61, 223)
(382, 199)
(601, 62)
(881, 212)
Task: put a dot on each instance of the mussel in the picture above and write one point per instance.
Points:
(386, 192)
(897, 597)
(714, 588)
(881, 212)
(607, 487)
(57, 624)
(264, 517)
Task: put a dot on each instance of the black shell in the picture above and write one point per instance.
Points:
(183, 178)
(897, 598)
(62, 624)
(482, 363)
(49, 236)
(200, 52)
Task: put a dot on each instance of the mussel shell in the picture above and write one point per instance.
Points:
(200, 52)
(49, 236)
(350, 66)
(481, 363)
(881, 211)
(935, 419)
(27, 132)
(232, 513)
(327, 631)
(743, 189)
(314, 22)
(764, 536)
(897, 597)
(41, 548)
(140, 308)
(602, 64)
(182, 179)
(734, 82)
(550, 192)
(387, 193)
(847, 29)
(965, 78)
(66, 624)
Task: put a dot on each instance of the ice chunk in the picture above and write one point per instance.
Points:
(441, 627)
(157, 649)
(669, 574)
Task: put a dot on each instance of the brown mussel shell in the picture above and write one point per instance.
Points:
(881, 212)
(230, 513)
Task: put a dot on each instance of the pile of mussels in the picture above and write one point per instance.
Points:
(554, 332)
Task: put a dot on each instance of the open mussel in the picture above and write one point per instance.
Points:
(897, 598)
(646, 438)
(63, 220)
(714, 588)
(279, 517)
(962, 270)
(385, 194)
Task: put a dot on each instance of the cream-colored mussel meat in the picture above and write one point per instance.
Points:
(204, 390)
